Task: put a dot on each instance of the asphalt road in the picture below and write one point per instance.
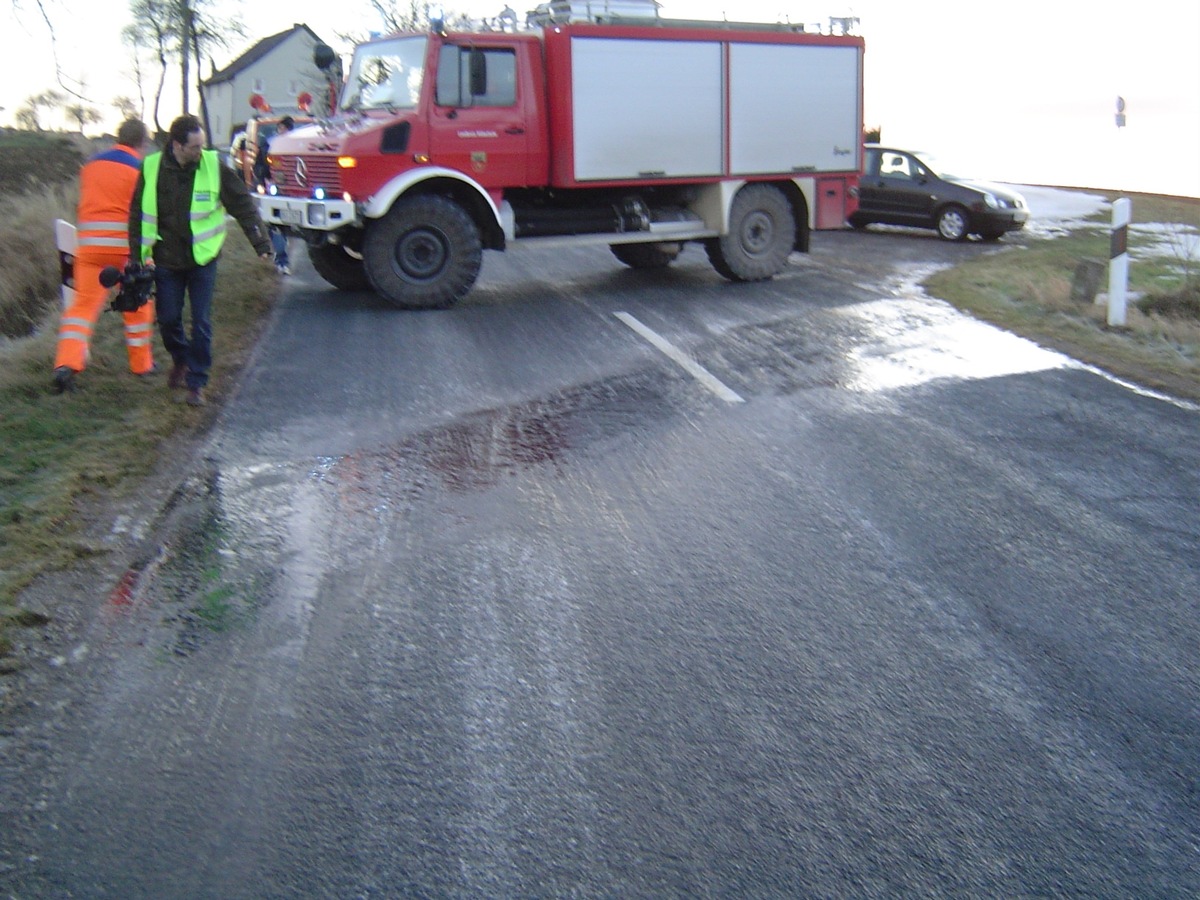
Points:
(616, 584)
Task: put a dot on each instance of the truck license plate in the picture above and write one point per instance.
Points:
(290, 216)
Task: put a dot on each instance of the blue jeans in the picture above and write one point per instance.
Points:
(279, 245)
(194, 352)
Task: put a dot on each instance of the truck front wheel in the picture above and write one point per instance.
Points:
(647, 256)
(762, 233)
(424, 254)
(338, 267)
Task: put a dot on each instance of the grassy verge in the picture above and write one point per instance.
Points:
(58, 452)
(1026, 289)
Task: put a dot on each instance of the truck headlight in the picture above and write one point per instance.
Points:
(316, 214)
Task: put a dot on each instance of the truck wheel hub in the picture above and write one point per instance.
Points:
(421, 254)
(757, 232)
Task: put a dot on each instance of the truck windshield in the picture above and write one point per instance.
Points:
(386, 75)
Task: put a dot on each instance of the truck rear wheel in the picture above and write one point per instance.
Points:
(338, 267)
(424, 254)
(762, 233)
(647, 256)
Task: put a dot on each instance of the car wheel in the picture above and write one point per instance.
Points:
(953, 223)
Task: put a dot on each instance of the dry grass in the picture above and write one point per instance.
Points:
(29, 279)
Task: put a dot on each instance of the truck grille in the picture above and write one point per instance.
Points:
(314, 172)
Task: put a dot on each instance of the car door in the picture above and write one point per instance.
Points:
(902, 190)
(872, 199)
(478, 122)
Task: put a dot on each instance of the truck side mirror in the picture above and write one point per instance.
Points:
(325, 59)
(478, 73)
(323, 56)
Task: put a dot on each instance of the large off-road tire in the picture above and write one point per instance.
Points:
(339, 268)
(424, 254)
(762, 233)
(647, 256)
(953, 223)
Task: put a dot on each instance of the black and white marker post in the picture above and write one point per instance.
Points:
(1118, 261)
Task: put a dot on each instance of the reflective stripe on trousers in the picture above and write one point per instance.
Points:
(91, 298)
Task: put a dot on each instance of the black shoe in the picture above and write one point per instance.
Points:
(177, 376)
(195, 397)
(64, 380)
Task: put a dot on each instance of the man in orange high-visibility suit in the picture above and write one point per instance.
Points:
(106, 184)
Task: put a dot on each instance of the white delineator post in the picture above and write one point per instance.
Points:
(64, 239)
(1118, 261)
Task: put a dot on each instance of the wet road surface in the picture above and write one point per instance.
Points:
(867, 599)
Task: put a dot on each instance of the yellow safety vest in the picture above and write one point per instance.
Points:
(207, 217)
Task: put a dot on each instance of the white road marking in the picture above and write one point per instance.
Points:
(681, 359)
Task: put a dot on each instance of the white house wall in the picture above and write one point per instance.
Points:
(279, 76)
(219, 99)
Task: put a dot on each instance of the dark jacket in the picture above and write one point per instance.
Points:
(262, 169)
(174, 247)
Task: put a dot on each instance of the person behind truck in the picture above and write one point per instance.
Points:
(177, 225)
(237, 150)
(105, 188)
(262, 175)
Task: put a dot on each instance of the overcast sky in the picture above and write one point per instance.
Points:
(1022, 90)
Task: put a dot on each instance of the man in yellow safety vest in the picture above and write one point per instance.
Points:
(177, 225)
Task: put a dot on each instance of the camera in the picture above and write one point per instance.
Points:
(137, 286)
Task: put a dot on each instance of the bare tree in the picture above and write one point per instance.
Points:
(187, 22)
(135, 41)
(417, 15)
(126, 107)
(29, 114)
(154, 30)
(180, 31)
(413, 16)
(42, 6)
(26, 117)
(82, 114)
(205, 31)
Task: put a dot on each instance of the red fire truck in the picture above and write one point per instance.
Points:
(639, 133)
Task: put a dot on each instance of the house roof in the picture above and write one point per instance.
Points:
(255, 53)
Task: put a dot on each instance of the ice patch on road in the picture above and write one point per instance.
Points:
(919, 340)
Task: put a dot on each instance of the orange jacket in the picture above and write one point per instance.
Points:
(106, 184)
